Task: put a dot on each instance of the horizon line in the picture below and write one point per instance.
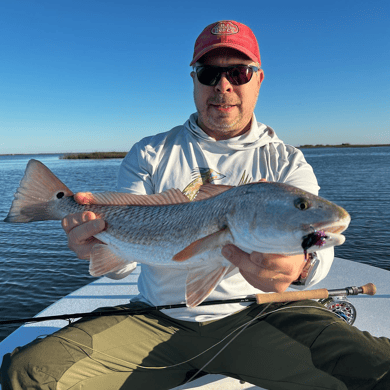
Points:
(342, 145)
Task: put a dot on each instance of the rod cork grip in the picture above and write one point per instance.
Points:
(290, 296)
(369, 289)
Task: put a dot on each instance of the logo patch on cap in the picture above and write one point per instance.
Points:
(224, 28)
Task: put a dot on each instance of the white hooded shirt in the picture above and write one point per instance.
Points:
(185, 158)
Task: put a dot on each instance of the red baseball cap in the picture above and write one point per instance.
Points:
(227, 33)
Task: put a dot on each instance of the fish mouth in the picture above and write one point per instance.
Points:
(324, 236)
(335, 227)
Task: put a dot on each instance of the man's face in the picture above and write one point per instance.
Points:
(225, 110)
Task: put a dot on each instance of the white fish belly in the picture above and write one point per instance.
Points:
(160, 254)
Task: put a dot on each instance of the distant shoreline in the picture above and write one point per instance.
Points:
(94, 155)
(105, 155)
(341, 146)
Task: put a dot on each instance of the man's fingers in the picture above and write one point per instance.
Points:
(73, 220)
(82, 233)
(81, 229)
(84, 198)
(285, 265)
(81, 240)
(247, 263)
(268, 272)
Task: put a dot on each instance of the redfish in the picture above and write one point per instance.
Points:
(168, 230)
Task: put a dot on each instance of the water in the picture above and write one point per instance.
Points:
(37, 268)
(358, 180)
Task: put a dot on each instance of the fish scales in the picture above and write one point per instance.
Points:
(149, 224)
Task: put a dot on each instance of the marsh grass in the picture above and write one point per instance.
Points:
(94, 155)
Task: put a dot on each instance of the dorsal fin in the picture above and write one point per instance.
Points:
(171, 196)
(209, 190)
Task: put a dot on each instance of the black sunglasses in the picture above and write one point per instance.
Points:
(236, 74)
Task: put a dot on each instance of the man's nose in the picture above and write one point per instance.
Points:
(224, 85)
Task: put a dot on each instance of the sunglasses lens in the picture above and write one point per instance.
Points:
(237, 75)
(208, 76)
(240, 75)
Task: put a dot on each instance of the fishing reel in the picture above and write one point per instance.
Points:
(342, 307)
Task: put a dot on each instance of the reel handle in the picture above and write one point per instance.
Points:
(321, 293)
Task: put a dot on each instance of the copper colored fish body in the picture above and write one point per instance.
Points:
(167, 230)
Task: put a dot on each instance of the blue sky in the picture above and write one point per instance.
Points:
(99, 75)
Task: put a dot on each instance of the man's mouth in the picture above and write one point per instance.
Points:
(223, 107)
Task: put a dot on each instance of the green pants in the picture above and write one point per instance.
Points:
(297, 347)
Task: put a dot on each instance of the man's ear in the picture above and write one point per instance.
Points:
(261, 75)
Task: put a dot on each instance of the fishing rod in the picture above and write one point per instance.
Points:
(321, 293)
(287, 296)
(140, 310)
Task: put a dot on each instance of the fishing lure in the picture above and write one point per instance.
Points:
(318, 238)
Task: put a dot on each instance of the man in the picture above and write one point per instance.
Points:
(292, 346)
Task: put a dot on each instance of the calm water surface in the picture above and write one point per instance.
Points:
(37, 268)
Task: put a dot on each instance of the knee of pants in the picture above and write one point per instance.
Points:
(15, 368)
(10, 369)
(34, 366)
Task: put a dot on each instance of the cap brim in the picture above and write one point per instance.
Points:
(229, 45)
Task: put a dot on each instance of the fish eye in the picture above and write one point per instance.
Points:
(302, 204)
(60, 195)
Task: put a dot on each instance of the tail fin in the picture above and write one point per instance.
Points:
(35, 198)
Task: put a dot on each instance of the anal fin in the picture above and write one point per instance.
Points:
(202, 281)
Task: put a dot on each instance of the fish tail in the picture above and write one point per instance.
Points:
(37, 197)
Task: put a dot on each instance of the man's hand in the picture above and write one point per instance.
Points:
(265, 271)
(80, 229)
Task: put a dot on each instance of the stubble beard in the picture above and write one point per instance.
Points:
(224, 127)
(219, 125)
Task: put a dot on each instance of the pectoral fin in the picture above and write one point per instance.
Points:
(202, 281)
(206, 243)
(104, 260)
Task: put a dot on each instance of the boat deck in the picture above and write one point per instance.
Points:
(373, 312)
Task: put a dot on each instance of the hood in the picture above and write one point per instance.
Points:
(258, 135)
